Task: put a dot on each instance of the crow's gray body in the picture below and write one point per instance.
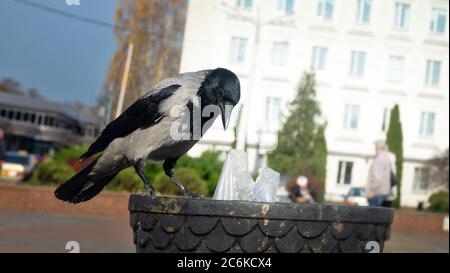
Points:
(146, 143)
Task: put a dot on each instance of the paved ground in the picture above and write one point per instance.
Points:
(38, 232)
(418, 243)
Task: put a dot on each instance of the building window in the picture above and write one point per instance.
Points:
(286, 6)
(438, 20)
(363, 11)
(386, 119)
(273, 113)
(433, 73)
(3, 113)
(33, 118)
(351, 117)
(427, 120)
(345, 171)
(280, 53)
(238, 50)
(47, 121)
(52, 122)
(402, 11)
(421, 178)
(396, 68)
(10, 114)
(18, 115)
(244, 4)
(325, 9)
(319, 57)
(357, 64)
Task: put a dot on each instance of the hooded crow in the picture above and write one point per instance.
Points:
(145, 131)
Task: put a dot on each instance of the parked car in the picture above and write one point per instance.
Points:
(17, 165)
(356, 197)
(282, 193)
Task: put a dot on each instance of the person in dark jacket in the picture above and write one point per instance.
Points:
(300, 193)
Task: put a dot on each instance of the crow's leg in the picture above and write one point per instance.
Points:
(168, 166)
(139, 166)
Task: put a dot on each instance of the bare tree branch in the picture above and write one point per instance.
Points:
(438, 167)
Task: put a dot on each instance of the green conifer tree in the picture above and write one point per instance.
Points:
(302, 148)
(394, 140)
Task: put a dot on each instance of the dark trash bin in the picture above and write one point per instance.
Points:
(178, 225)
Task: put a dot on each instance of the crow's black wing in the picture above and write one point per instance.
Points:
(143, 113)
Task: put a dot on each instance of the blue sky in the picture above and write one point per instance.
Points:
(65, 59)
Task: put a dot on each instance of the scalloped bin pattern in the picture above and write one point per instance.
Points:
(181, 225)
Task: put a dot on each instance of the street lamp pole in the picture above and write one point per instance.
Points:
(123, 86)
(242, 136)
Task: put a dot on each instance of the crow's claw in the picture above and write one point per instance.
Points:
(150, 192)
(192, 195)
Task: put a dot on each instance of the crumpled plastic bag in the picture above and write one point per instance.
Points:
(265, 188)
(236, 183)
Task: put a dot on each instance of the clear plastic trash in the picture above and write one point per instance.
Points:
(265, 188)
(236, 183)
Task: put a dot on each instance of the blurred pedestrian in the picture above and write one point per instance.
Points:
(388, 201)
(2, 148)
(379, 179)
(300, 193)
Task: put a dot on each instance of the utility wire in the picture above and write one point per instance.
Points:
(97, 22)
(70, 15)
(83, 19)
(93, 21)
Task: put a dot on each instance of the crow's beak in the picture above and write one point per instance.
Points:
(225, 110)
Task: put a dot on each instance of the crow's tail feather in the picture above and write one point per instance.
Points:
(80, 187)
(91, 191)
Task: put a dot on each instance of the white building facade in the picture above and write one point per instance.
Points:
(368, 56)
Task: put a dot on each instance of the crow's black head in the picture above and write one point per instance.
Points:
(222, 88)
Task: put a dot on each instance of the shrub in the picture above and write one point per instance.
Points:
(127, 180)
(56, 170)
(66, 154)
(190, 178)
(212, 183)
(52, 172)
(439, 202)
(208, 166)
(153, 170)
